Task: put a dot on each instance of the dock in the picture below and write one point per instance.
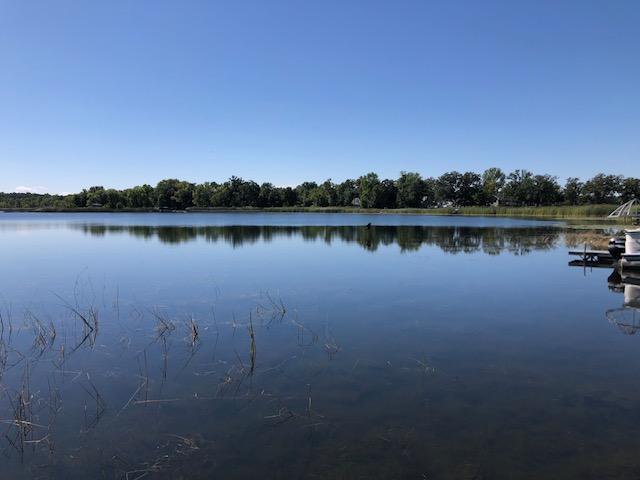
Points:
(599, 258)
(603, 259)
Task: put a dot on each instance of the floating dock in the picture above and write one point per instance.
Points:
(603, 259)
(592, 258)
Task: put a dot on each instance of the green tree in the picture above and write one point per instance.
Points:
(493, 180)
(269, 196)
(630, 189)
(447, 188)
(368, 190)
(96, 196)
(203, 193)
(469, 190)
(304, 193)
(328, 189)
(602, 188)
(289, 197)
(80, 199)
(249, 193)
(573, 191)
(114, 199)
(346, 192)
(547, 190)
(429, 197)
(174, 194)
(387, 194)
(520, 188)
(411, 189)
(140, 196)
(318, 197)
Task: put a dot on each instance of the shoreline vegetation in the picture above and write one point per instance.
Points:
(520, 193)
(578, 212)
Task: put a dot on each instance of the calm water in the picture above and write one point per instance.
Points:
(309, 346)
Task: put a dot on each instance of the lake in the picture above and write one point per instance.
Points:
(271, 345)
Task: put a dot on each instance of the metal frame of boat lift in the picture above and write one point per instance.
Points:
(629, 209)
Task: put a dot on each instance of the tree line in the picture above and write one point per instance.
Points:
(409, 190)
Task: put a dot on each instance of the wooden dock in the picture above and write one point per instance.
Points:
(593, 256)
(603, 259)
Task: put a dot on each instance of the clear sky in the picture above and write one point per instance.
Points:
(118, 93)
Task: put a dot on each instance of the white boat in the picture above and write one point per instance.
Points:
(631, 255)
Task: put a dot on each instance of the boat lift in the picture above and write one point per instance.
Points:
(630, 209)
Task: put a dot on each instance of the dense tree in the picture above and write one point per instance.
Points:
(346, 192)
(304, 193)
(602, 188)
(547, 190)
(249, 193)
(203, 194)
(236, 192)
(573, 191)
(141, 196)
(411, 190)
(269, 196)
(447, 187)
(289, 197)
(80, 199)
(114, 199)
(429, 198)
(368, 190)
(387, 194)
(520, 188)
(328, 192)
(96, 196)
(469, 189)
(630, 189)
(493, 180)
(165, 193)
(458, 189)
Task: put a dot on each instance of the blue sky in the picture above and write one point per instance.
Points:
(118, 93)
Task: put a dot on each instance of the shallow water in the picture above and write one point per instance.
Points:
(421, 347)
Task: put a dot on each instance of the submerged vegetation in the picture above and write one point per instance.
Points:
(493, 192)
(33, 355)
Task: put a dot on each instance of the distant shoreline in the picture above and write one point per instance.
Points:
(559, 212)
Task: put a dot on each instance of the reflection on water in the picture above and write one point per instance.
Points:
(627, 317)
(450, 239)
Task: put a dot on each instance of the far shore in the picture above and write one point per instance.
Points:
(580, 212)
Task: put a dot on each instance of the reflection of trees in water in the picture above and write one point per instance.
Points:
(492, 241)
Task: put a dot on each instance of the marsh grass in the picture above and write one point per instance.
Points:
(44, 334)
(164, 324)
(252, 345)
(552, 211)
(194, 332)
(6, 323)
(274, 308)
(100, 406)
(242, 381)
(23, 431)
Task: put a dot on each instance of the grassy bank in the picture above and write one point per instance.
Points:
(560, 211)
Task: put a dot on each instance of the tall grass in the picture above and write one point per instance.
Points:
(556, 211)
